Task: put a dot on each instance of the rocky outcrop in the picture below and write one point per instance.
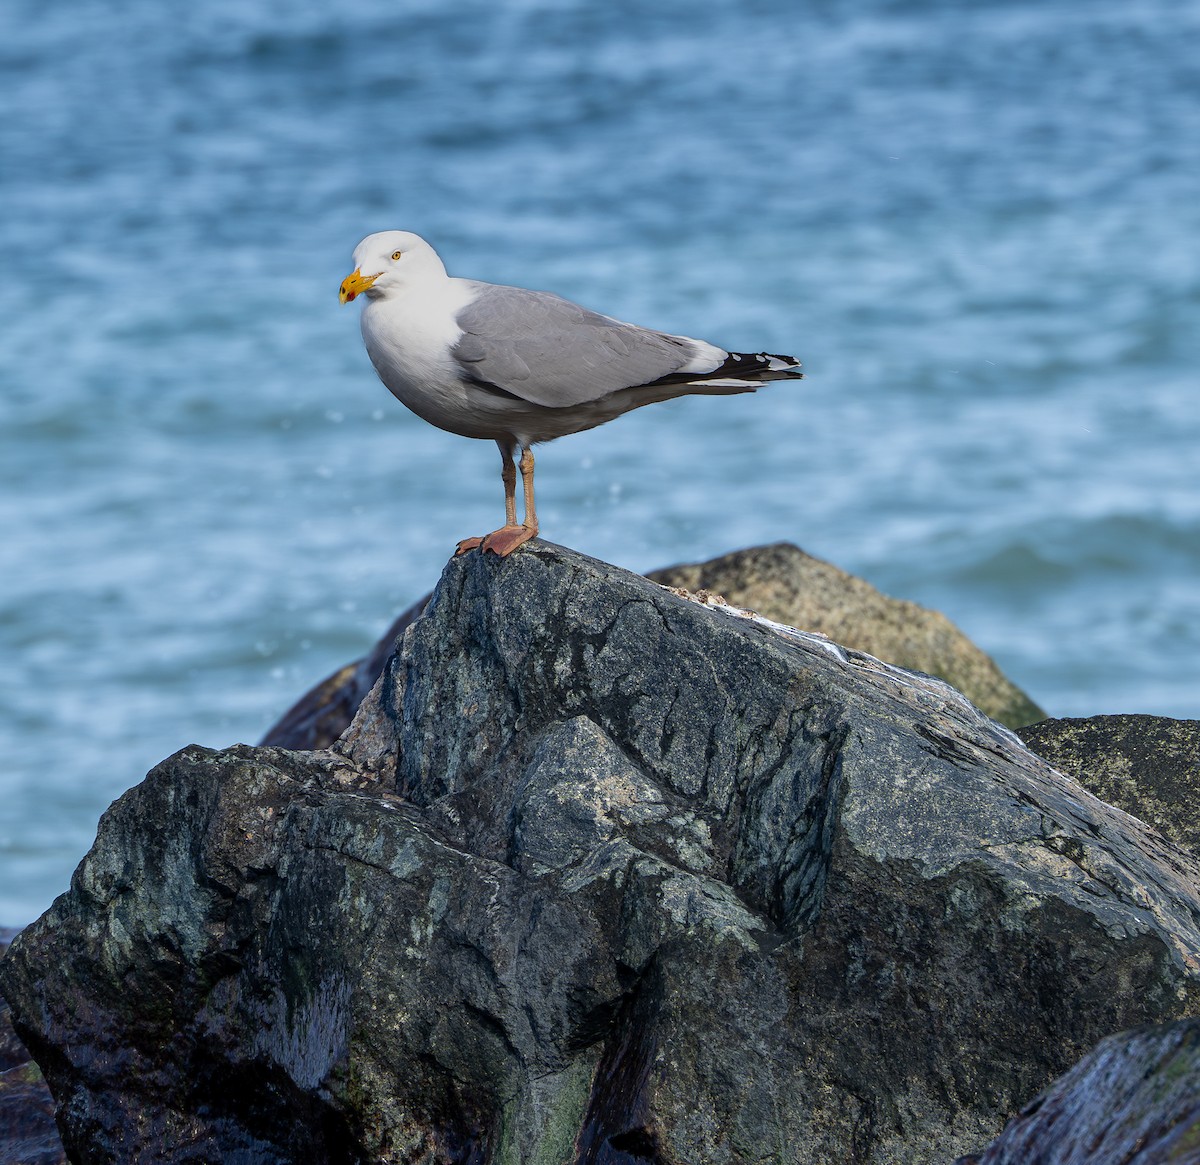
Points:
(783, 583)
(778, 581)
(27, 1132)
(600, 874)
(1135, 1100)
(1147, 765)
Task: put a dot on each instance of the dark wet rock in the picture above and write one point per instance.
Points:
(603, 875)
(783, 583)
(27, 1132)
(778, 581)
(1147, 765)
(1134, 1100)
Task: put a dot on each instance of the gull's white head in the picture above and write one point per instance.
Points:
(390, 261)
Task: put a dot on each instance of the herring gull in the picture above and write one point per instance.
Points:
(518, 367)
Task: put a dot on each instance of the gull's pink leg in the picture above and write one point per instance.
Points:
(508, 473)
(505, 540)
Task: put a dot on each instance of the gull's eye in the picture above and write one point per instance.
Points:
(397, 254)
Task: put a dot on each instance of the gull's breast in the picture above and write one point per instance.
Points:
(410, 339)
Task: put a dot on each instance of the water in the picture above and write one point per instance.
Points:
(975, 224)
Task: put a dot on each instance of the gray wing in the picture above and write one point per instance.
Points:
(547, 350)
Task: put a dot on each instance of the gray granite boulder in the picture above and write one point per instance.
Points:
(778, 581)
(782, 582)
(600, 874)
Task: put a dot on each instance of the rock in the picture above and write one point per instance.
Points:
(1147, 765)
(778, 581)
(783, 583)
(1135, 1100)
(600, 875)
(27, 1132)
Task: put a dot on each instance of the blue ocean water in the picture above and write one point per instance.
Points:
(976, 224)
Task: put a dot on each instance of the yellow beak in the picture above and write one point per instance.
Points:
(355, 283)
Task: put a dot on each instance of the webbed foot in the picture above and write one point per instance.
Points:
(504, 541)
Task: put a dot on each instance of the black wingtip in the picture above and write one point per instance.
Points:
(760, 365)
(752, 367)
